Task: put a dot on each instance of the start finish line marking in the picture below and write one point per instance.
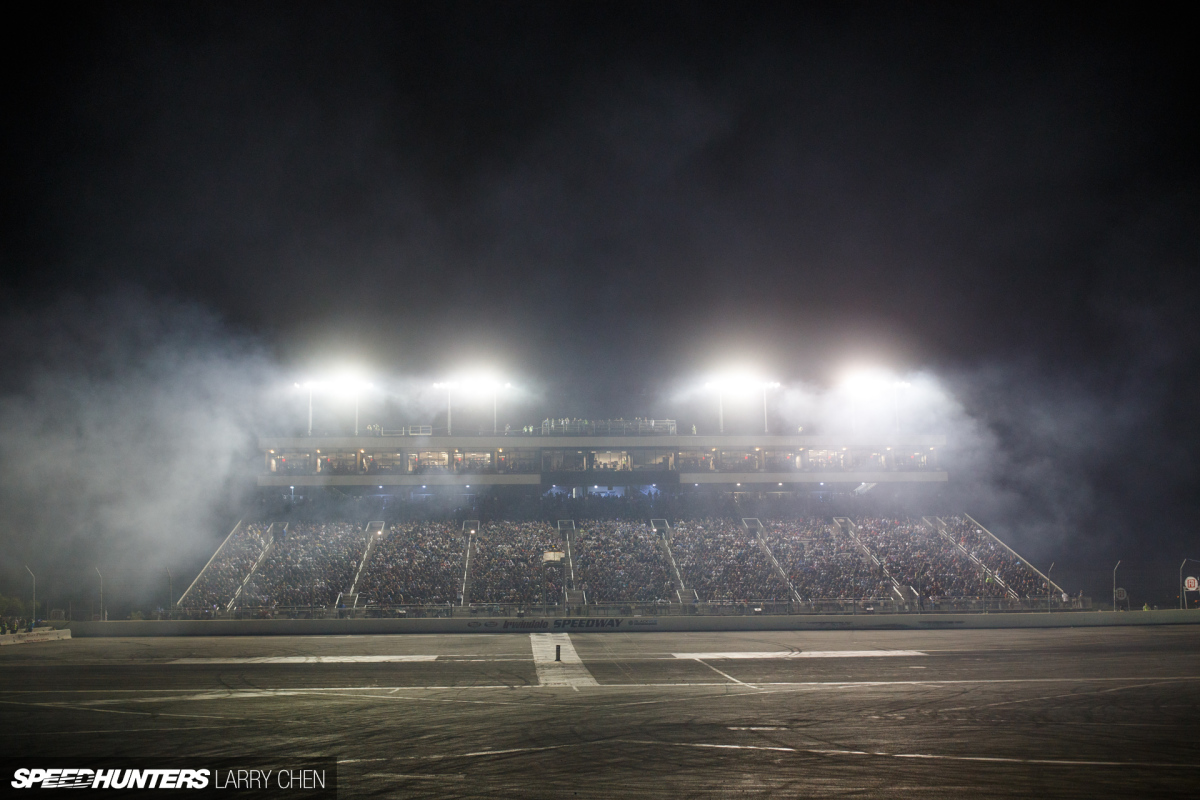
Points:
(801, 654)
(303, 660)
(569, 671)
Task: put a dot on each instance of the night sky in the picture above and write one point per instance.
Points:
(607, 201)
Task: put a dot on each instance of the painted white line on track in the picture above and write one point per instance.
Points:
(570, 671)
(162, 696)
(408, 776)
(994, 759)
(303, 660)
(802, 654)
(725, 674)
(758, 728)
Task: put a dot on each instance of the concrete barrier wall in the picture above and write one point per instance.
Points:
(41, 635)
(812, 622)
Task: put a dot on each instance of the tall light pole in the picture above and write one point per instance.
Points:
(766, 386)
(170, 590)
(309, 385)
(103, 616)
(1048, 586)
(34, 614)
(449, 387)
(1115, 586)
(739, 384)
(496, 387)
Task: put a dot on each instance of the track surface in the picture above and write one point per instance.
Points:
(1047, 713)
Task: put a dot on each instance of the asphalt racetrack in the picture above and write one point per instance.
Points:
(1007, 713)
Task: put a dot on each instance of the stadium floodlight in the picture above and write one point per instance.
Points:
(873, 382)
(738, 383)
(345, 384)
(475, 385)
(353, 386)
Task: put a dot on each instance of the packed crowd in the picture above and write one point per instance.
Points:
(415, 564)
(824, 564)
(506, 564)
(310, 565)
(996, 557)
(221, 578)
(621, 562)
(924, 559)
(722, 561)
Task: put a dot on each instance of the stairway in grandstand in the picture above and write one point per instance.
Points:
(241, 536)
(470, 527)
(848, 527)
(755, 525)
(663, 528)
(349, 598)
(943, 528)
(276, 530)
(937, 525)
(190, 592)
(574, 596)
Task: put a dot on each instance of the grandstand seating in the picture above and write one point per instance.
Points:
(424, 564)
(824, 564)
(924, 560)
(309, 565)
(225, 573)
(415, 564)
(506, 564)
(723, 562)
(622, 562)
(996, 557)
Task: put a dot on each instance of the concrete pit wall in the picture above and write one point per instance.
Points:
(810, 622)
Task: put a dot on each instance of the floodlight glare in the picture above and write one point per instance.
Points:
(873, 382)
(738, 383)
(346, 385)
(473, 384)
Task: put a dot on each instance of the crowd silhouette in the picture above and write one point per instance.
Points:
(309, 565)
(224, 574)
(622, 562)
(996, 557)
(924, 560)
(506, 564)
(415, 564)
(823, 563)
(723, 562)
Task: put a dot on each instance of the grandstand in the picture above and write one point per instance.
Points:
(792, 565)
